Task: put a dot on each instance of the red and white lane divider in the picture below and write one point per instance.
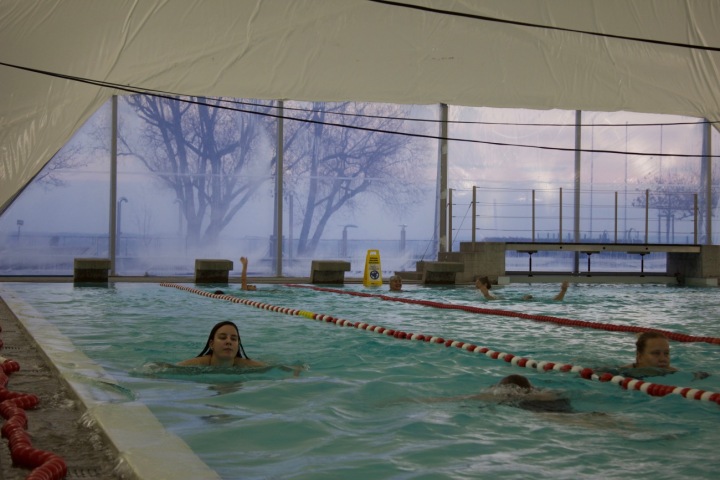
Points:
(45, 465)
(680, 337)
(656, 390)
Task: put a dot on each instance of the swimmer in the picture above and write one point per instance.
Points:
(223, 349)
(517, 391)
(243, 276)
(395, 283)
(652, 358)
(483, 284)
(652, 351)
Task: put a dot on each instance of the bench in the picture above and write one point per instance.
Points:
(208, 270)
(328, 271)
(91, 270)
(440, 273)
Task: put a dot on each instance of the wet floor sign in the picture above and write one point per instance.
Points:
(373, 272)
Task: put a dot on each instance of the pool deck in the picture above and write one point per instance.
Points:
(91, 434)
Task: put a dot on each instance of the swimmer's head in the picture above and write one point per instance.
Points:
(517, 381)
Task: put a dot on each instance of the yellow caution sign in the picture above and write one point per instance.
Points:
(373, 272)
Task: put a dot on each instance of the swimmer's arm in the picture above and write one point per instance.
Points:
(448, 399)
(296, 369)
(243, 276)
(563, 289)
(244, 362)
(487, 294)
(632, 371)
(542, 395)
(204, 360)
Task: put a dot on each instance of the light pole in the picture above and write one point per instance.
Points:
(20, 223)
(343, 252)
(180, 215)
(119, 215)
(119, 221)
(402, 238)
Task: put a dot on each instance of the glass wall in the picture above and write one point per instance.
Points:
(64, 212)
(198, 178)
(638, 178)
(202, 178)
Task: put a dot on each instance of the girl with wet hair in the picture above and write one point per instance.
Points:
(223, 349)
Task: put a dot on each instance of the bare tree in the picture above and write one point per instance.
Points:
(328, 167)
(673, 197)
(71, 156)
(201, 149)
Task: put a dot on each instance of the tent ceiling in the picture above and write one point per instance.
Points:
(329, 50)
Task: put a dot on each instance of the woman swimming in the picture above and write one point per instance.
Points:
(223, 349)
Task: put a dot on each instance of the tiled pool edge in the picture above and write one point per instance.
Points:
(145, 448)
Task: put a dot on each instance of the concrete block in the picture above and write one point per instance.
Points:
(91, 270)
(209, 270)
(441, 273)
(329, 271)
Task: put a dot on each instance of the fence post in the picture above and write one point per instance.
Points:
(533, 215)
(450, 222)
(616, 215)
(647, 213)
(560, 239)
(474, 213)
(695, 218)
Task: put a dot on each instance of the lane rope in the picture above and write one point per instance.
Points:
(45, 465)
(679, 337)
(653, 389)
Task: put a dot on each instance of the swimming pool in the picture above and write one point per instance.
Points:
(368, 406)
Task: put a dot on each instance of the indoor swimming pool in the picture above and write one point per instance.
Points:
(369, 405)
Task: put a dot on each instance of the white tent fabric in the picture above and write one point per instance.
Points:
(362, 50)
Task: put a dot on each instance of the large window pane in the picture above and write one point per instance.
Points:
(64, 212)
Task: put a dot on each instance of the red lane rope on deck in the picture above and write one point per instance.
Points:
(680, 337)
(653, 389)
(45, 465)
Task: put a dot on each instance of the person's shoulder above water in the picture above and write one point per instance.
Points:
(223, 349)
(652, 351)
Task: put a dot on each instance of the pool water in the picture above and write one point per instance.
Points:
(371, 406)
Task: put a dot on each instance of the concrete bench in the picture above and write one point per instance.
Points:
(441, 273)
(328, 271)
(91, 270)
(208, 270)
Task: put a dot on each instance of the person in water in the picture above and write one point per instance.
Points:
(652, 350)
(395, 283)
(223, 349)
(652, 358)
(483, 284)
(517, 391)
